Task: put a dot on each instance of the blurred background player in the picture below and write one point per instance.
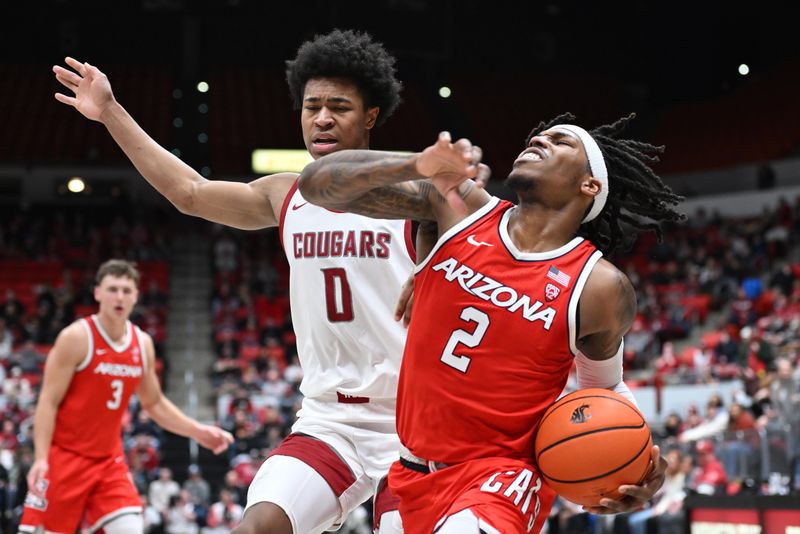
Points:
(95, 366)
(518, 296)
(346, 275)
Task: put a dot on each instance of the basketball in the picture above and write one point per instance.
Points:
(589, 443)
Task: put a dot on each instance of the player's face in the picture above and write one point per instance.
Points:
(116, 295)
(334, 117)
(555, 158)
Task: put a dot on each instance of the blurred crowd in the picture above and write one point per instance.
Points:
(719, 299)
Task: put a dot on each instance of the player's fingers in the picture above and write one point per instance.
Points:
(465, 147)
(407, 314)
(67, 83)
(402, 301)
(484, 172)
(456, 202)
(64, 99)
(66, 74)
(444, 139)
(476, 155)
(75, 64)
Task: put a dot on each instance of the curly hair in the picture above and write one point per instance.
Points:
(633, 186)
(351, 55)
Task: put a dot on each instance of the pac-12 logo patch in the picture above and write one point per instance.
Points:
(551, 292)
(580, 415)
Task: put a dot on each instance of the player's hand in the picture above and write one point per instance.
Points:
(636, 496)
(36, 477)
(448, 165)
(213, 438)
(484, 172)
(404, 303)
(91, 87)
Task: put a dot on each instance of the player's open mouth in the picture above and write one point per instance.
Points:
(325, 144)
(532, 154)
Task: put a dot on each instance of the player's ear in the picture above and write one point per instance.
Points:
(372, 117)
(590, 186)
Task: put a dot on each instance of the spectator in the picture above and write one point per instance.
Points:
(224, 515)
(180, 514)
(197, 487)
(710, 478)
(163, 490)
(235, 486)
(153, 521)
(667, 502)
(6, 341)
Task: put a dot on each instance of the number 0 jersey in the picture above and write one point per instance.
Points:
(346, 272)
(491, 341)
(89, 418)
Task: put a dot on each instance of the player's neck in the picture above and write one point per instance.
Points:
(113, 327)
(536, 228)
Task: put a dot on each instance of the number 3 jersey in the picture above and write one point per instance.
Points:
(346, 272)
(491, 340)
(89, 418)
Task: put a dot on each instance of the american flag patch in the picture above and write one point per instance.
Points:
(559, 276)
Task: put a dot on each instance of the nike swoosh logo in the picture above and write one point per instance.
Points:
(298, 206)
(472, 241)
(100, 352)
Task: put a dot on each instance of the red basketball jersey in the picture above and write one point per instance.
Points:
(491, 340)
(89, 418)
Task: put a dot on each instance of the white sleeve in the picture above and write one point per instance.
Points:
(606, 374)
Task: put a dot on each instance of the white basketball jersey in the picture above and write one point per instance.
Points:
(346, 272)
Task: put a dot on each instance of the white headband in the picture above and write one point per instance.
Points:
(596, 164)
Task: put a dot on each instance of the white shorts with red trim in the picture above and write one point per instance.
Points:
(325, 469)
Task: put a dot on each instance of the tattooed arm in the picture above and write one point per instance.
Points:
(433, 185)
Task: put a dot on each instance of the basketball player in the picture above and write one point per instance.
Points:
(508, 298)
(346, 274)
(96, 364)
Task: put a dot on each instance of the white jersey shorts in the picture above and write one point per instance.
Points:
(324, 469)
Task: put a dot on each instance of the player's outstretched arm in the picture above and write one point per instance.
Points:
(432, 185)
(67, 353)
(169, 416)
(246, 206)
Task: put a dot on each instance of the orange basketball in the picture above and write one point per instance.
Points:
(589, 443)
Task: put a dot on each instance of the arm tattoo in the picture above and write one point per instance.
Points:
(627, 299)
(376, 184)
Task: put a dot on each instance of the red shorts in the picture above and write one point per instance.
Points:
(508, 495)
(102, 488)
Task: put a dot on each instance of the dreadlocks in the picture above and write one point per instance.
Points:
(633, 186)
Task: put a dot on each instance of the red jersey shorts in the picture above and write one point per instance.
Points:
(102, 488)
(505, 494)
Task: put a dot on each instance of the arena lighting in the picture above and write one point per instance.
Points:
(202, 87)
(744, 69)
(445, 92)
(76, 185)
(272, 160)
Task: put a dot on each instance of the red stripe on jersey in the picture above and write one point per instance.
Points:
(385, 501)
(284, 207)
(320, 457)
(412, 250)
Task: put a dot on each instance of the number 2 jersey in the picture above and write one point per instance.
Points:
(89, 418)
(346, 272)
(491, 341)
